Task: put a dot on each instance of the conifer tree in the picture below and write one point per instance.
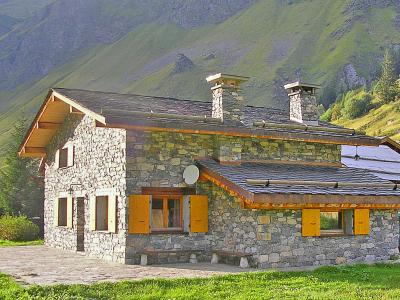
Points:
(386, 87)
(21, 190)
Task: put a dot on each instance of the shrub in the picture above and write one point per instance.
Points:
(18, 229)
(357, 105)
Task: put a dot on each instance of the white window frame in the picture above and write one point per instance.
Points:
(112, 219)
(70, 156)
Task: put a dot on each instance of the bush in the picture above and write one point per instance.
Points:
(357, 105)
(18, 229)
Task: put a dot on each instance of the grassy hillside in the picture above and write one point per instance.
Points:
(383, 121)
(22, 8)
(271, 41)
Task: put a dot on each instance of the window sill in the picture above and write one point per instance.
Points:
(333, 234)
(179, 231)
(64, 168)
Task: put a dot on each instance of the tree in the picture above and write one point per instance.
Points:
(21, 190)
(386, 86)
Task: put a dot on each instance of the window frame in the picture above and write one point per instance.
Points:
(60, 207)
(333, 232)
(165, 198)
(69, 151)
(106, 213)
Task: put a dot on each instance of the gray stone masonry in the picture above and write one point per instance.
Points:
(126, 161)
(274, 236)
(227, 103)
(303, 107)
(99, 163)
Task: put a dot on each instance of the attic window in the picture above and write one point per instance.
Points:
(65, 156)
(63, 159)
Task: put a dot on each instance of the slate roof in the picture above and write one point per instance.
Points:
(238, 174)
(100, 101)
(380, 161)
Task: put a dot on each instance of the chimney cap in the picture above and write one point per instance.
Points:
(301, 84)
(228, 77)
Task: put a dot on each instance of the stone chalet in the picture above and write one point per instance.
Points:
(263, 187)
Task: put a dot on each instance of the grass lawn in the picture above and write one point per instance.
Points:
(381, 281)
(5, 243)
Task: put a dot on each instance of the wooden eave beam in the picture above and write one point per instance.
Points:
(310, 199)
(48, 125)
(227, 185)
(36, 150)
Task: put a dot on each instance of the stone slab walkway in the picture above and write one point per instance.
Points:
(46, 266)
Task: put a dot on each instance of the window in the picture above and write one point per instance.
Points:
(65, 156)
(166, 213)
(102, 213)
(331, 222)
(62, 211)
(327, 223)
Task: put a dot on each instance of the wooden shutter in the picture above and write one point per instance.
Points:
(112, 213)
(310, 222)
(361, 221)
(139, 214)
(70, 159)
(70, 211)
(198, 213)
(55, 212)
(92, 216)
(57, 159)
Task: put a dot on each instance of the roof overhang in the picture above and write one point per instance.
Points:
(298, 201)
(387, 141)
(48, 120)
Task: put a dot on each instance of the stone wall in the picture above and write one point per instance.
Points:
(157, 159)
(274, 237)
(264, 149)
(99, 163)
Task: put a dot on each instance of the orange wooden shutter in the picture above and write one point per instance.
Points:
(198, 213)
(139, 214)
(361, 221)
(310, 222)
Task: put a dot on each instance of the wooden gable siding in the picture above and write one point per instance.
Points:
(48, 120)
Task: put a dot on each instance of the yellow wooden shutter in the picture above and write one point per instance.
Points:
(112, 213)
(55, 212)
(92, 216)
(139, 214)
(70, 211)
(361, 221)
(198, 213)
(310, 222)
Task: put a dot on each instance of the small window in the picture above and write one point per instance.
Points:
(62, 211)
(166, 213)
(336, 222)
(102, 213)
(63, 158)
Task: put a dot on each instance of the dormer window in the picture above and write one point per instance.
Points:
(65, 156)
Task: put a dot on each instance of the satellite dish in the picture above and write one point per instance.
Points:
(191, 174)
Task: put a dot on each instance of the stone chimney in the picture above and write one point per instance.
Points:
(227, 102)
(303, 102)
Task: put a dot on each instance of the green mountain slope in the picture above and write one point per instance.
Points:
(334, 43)
(22, 8)
(383, 121)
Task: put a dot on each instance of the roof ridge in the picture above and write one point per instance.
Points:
(160, 97)
(127, 94)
